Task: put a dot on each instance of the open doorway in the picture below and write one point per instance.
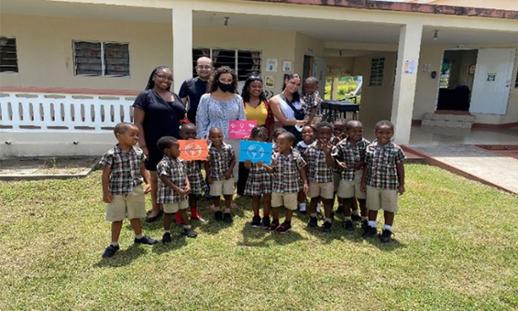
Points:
(456, 80)
(344, 88)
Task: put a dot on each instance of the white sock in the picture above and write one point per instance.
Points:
(302, 207)
(387, 227)
(328, 220)
(318, 207)
(140, 236)
(372, 223)
(114, 244)
(347, 217)
(167, 231)
(187, 227)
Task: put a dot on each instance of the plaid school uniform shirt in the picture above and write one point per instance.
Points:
(175, 171)
(286, 176)
(311, 102)
(259, 181)
(193, 171)
(318, 171)
(381, 163)
(351, 154)
(125, 168)
(219, 160)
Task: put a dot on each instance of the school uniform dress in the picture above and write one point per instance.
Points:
(382, 180)
(219, 163)
(259, 181)
(174, 170)
(286, 180)
(320, 175)
(193, 169)
(125, 183)
(350, 178)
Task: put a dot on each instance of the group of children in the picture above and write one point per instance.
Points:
(331, 160)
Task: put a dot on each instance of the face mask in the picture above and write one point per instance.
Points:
(226, 87)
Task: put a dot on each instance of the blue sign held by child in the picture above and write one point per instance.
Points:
(255, 151)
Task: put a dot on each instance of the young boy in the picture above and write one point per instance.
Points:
(122, 177)
(219, 167)
(383, 177)
(349, 156)
(308, 137)
(311, 100)
(339, 131)
(193, 170)
(320, 174)
(173, 186)
(288, 172)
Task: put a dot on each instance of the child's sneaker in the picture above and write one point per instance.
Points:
(274, 225)
(327, 226)
(385, 236)
(313, 222)
(365, 223)
(284, 227)
(166, 238)
(218, 215)
(369, 231)
(110, 251)
(348, 225)
(145, 240)
(227, 218)
(256, 221)
(266, 222)
(356, 217)
(188, 232)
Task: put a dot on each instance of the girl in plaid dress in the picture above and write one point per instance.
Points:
(259, 183)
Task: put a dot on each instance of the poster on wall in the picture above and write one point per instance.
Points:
(409, 66)
(287, 66)
(269, 81)
(271, 65)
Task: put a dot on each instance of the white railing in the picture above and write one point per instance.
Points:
(36, 112)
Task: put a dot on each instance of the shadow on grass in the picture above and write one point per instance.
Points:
(261, 237)
(178, 242)
(122, 257)
(387, 247)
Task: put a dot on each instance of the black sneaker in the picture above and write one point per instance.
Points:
(256, 221)
(145, 240)
(313, 222)
(274, 225)
(218, 216)
(356, 217)
(327, 226)
(365, 223)
(369, 232)
(227, 218)
(166, 238)
(188, 232)
(284, 227)
(348, 225)
(110, 251)
(266, 222)
(385, 236)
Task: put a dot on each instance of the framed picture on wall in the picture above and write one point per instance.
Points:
(287, 66)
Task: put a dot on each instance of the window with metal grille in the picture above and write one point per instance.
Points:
(101, 59)
(8, 57)
(377, 69)
(244, 62)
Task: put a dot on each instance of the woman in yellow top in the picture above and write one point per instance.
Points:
(256, 108)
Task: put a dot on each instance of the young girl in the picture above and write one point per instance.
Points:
(259, 183)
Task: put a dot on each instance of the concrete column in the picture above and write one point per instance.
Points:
(405, 84)
(182, 43)
(334, 88)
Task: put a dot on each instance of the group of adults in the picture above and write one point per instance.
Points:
(209, 100)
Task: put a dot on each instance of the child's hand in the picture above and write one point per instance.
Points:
(107, 197)
(306, 187)
(267, 167)
(248, 164)
(401, 189)
(363, 187)
(209, 179)
(228, 174)
(147, 188)
(341, 165)
(260, 164)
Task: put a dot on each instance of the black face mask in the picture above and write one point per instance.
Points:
(226, 87)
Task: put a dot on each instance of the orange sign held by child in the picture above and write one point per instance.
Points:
(194, 149)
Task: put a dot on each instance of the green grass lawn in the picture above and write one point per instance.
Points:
(456, 249)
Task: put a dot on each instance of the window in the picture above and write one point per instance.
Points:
(244, 62)
(377, 68)
(8, 58)
(101, 59)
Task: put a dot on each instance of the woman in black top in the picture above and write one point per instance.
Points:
(157, 112)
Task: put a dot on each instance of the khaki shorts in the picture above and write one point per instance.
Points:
(286, 199)
(384, 199)
(222, 187)
(351, 188)
(174, 207)
(323, 190)
(131, 206)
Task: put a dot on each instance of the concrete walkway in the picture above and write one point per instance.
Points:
(473, 162)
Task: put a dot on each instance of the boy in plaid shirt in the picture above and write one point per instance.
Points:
(383, 178)
(320, 175)
(259, 183)
(219, 167)
(287, 173)
(349, 156)
(311, 101)
(123, 172)
(193, 169)
(173, 186)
